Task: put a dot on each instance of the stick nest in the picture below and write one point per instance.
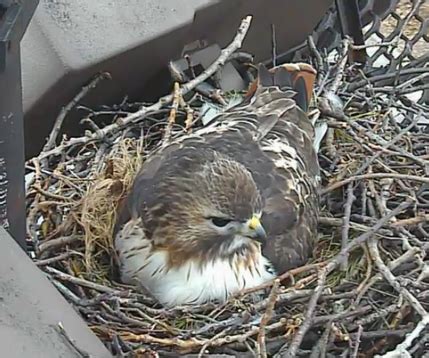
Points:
(365, 291)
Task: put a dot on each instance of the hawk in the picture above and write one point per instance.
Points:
(229, 206)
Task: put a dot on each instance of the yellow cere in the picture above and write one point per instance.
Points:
(254, 222)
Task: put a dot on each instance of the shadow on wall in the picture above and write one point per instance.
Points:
(141, 73)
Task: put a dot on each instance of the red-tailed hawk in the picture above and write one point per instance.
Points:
(231, 205)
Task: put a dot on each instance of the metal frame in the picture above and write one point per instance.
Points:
(36, 320)
(351, 25)
(14, 19)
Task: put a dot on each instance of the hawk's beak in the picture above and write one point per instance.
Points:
(254, 230)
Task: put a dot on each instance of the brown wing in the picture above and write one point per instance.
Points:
(272, 136)
(283, 162)
(141, 200)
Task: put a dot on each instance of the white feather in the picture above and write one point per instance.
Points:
(189, 283)
(320, 130)
(279, 146)
(210, 110)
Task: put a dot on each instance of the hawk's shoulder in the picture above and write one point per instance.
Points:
(271, 135)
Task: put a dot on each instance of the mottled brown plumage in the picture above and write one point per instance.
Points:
(255, 160)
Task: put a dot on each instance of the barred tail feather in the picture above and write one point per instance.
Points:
(298, 77)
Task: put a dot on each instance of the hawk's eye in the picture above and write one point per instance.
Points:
(220, 222)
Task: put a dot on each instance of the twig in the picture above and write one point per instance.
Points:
(379, 133)
(341, 67)
(78, 281)
(333, 263)
(401, 349)
(373, 176)
(387, 145)
(380, 313)
(309, 315)
(157, 322)
(327, 110)
(318, 57)
(189, 115)
(274, 45)
(78, 350)
(204, 347)
(330, 94)
(412, 221)
(56, 243)
(287, 274)
(403, 72)
(67, 293)
(357, 342)
(262, 350)
(173, 111)
(190, 66)
(346, 221)
(54, 259)
(404, 258)
(50, 143)
(331, 151)
(382, 333)
(319, 349)
(48, 194)
(193, 343)
(338, 222)
(142, 112)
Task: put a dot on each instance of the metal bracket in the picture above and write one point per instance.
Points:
(198, 59)
(14, 18)
(9, 23)
(351, 25)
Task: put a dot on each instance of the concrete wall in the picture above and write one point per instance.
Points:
(68, 41)
(31, 308)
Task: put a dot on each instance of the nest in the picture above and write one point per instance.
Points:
(365, 291)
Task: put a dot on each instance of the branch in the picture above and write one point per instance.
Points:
(327, 109)
(173, 112)
(401, 349)
(56, 243)
(357, 342)
(78, 281)
(50, 143)
(332, 265)
(142, 112)
(341, 67)
(346, 221)
(341, 183)
(412, 221)
(262, 350)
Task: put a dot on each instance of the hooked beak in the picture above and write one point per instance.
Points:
(254, 230)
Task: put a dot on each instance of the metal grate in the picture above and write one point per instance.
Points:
(407, 25)
(401, 25)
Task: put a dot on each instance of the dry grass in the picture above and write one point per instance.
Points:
(72, 209)
(98, 210)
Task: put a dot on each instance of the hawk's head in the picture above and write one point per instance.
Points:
(205, 205)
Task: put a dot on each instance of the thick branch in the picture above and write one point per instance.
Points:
(142, 112)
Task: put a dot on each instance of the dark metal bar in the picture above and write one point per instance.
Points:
(14, 18)
(351, 25)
